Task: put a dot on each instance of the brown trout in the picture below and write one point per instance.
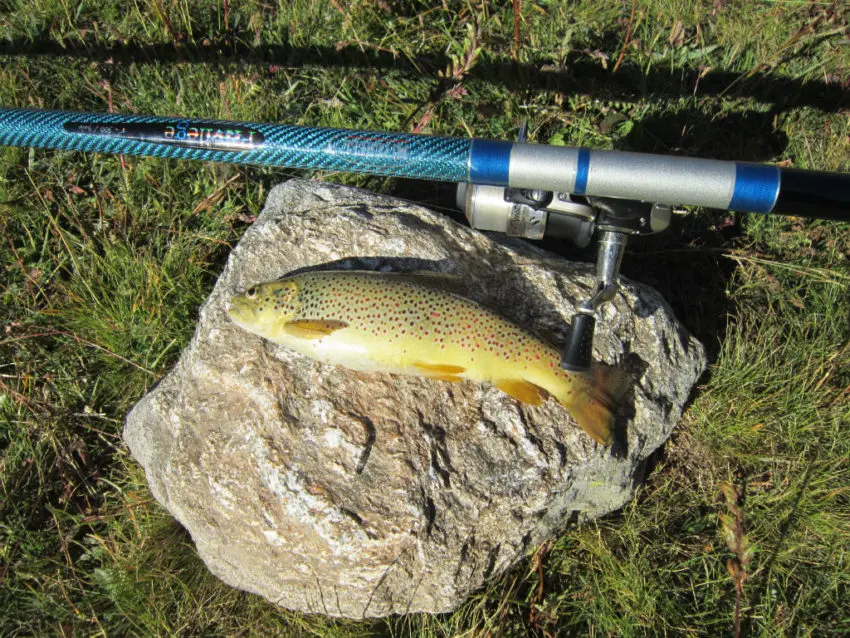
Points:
(405, 324)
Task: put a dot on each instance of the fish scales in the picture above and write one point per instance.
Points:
(404, 324)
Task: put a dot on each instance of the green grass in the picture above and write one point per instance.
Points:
(106, 260)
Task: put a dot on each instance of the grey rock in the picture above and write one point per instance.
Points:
(362, 495)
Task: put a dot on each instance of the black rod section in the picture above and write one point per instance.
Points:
(814, 194)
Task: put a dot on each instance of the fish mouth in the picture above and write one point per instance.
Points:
(238, 310)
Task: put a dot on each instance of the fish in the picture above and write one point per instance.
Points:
(411, 324)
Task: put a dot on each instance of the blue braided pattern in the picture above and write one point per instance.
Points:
(397, 154)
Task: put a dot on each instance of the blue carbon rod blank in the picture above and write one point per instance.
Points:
(418, 156)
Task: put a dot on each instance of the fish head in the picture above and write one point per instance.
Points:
(264, 308)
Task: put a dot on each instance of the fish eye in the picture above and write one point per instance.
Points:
(252, 292)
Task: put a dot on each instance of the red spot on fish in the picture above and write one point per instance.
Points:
(435, 314)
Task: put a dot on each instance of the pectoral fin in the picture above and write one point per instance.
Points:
(313, 328)
(441, 372)
(522, 391)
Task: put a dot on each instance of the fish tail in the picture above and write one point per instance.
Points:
(592, 398)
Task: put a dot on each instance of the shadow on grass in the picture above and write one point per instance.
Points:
(735, 136)
(578, 74)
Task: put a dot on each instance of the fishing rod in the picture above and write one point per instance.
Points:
(521, 189)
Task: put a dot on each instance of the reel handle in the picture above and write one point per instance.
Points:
(578, 350)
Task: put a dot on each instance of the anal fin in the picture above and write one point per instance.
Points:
(522, 391)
